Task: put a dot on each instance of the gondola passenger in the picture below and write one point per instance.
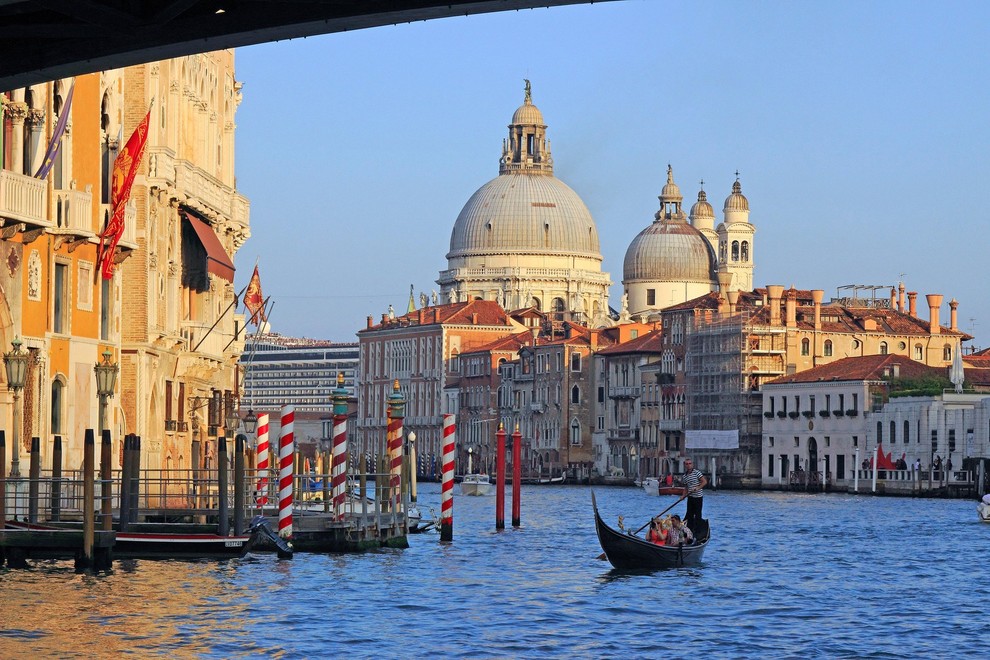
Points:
(657, 534)
(679, 534)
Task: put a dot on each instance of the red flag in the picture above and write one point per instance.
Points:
(125, 168)
(254, 301)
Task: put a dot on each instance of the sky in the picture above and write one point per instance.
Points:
(860, 131)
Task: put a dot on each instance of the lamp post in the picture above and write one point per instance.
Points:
(106, 379)
(232, 421)
(15, 363)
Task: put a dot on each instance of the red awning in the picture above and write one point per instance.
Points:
(217, 260)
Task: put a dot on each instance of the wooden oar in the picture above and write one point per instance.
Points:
(660, 514)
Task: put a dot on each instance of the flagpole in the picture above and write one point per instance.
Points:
(253, 348)
(219, 318)
(237, 333)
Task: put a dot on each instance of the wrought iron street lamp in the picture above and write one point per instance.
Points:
(232, 421)
(15, 363)
(106, 380)
(250, 422)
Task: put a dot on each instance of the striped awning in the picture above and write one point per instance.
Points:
(218, 262)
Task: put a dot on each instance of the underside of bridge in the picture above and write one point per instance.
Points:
(48, 39)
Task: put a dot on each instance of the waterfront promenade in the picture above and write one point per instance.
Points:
(787, 574)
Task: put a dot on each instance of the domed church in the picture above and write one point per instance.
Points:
(525, 238)
(681, 257)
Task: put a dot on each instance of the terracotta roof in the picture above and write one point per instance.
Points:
(648, 343)
(509, 344)
(868, 367)
(461, 313)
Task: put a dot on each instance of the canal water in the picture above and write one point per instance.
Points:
(786, 575)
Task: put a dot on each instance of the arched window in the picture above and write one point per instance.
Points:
(919, 353)
(745, 250)
(575, 394)
(947, 353)
(883, 348)
(805, 346)
(575, 432)
(58, 403)
(827, 348)
(735, 250)
(893, 430)
(907, 431)
(879, 432)
(557, 307)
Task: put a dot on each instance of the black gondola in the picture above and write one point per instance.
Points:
(629, 553)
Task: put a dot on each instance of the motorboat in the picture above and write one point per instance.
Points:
(983, 508)
(656, 486)
(476, 484)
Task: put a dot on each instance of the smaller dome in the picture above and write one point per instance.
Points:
(736, 201)
(528, 113)
(670, 192)
(701, 208)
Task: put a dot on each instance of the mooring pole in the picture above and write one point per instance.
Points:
(34, 476)
(500, 477)
(239, 476)
(3, 480)
(125, 485)
(363, 489)
(135, 491)
(285, 480)
(106, 485)
(56, 504)
(447, 485)
(516, 476)
(223, 479)
(89, 492)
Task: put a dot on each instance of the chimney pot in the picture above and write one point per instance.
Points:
(934, 302)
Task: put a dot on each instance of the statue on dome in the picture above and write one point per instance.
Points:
(391, 312)
(434, 298)
(422, 299)
(529, 91)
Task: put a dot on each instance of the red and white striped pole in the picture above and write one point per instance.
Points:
(338, 482)
(447, 481)
(397, 410)
(516, 476)
(500, 477)
(261, 490)
(285, 476)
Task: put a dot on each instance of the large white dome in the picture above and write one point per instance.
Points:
(669, 252)
(524, 214)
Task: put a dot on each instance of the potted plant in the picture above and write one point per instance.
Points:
(823, 413)
(808, 414)
(768, 414)
(852, 412)
(838, 413)
(793, 414)
(781, 414)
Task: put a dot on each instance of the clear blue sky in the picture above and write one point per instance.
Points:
(860, 131)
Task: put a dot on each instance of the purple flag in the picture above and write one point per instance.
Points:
(56, 142)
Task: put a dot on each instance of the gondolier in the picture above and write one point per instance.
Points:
(695, 483)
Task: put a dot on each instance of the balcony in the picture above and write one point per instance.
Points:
(617, 392)
(73, 215)
(671, 424)
(22, 199)
(128, 240)
(538, 407)
(213, 343)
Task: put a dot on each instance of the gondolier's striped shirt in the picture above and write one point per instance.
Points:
(692, 481)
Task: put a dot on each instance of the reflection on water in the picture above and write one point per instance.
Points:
(784, 574)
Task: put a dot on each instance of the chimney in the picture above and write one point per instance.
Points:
(896, 368)
(774, 291)
(900, 297)
(733, 301)
(724, 281)
(422, 316)
(723, 303)
(791, 304)
(436, 314)
(913, 303)
(893, 298)
(816, 296)
(934, 302)
(474, 318)
(594, 340)
(371, 321)
(384, 319)
(954, 306)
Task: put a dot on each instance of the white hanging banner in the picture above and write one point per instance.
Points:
(711, 439)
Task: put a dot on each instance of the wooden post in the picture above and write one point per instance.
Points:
(56, 503)
(500, 477)
(34, 479)
(223, 478)
(516, 477)
(125, 484)
(135, 491)
(239, 476)
(106, 485)
(3, 482)
(89, 503)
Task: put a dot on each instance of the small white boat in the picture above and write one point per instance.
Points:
(983, 508)
(476, 484)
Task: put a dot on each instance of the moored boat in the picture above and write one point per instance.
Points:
(628, 552)
(476, 484)
(654, 486)
(983, 508)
